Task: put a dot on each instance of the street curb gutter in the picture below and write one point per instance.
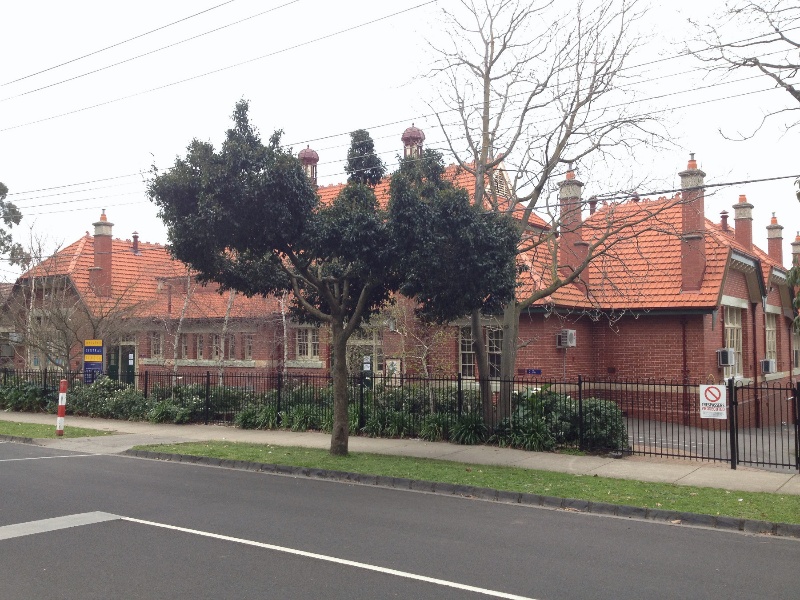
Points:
(722, 523)
(16, 438)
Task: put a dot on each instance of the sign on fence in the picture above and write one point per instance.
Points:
(92, 360)
(713, 403)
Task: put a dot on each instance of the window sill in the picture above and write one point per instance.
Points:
(305, 364)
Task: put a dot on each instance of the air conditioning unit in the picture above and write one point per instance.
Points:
(566, 338)
(726, 357)
(768, 366)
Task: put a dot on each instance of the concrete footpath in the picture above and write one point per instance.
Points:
(681, 472)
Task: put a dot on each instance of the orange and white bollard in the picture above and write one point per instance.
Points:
(62, 407)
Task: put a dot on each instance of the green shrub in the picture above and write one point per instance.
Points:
(301, 418)
(469, 430)
(375, 424)
(267, 417)
(247, 418)
(435, 428)
(604, 426)
(163, 412)
(26, 397)
(399, 424)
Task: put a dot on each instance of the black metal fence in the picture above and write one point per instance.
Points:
(656, 418)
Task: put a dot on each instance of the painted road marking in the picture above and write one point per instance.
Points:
(90, 518)
(333, 559)
(45, 525)
(47, 457)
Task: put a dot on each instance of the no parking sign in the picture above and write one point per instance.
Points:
(713, 403)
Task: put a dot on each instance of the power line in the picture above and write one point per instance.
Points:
(403, 121)
(222, 69)
(58, 187)
(127, 60)
(136, 37)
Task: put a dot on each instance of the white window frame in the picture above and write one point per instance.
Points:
(771, 335)
(796, 348)
(156, 344)
(466, 357)
(247, 343)
(216, 346)
(199, 344)
(733, 339)
(184, 346)
(230, 346)
(307, 343)
(493, 337)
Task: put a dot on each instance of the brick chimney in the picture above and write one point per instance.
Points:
(572, 249)
(309, 159)
(723, 221)
(135, 248)
(775, 240)
(743, 215)
(100, 273)
(693, 246)
(796, 250)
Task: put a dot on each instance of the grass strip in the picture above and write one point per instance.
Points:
(779, 508)
(34, 430)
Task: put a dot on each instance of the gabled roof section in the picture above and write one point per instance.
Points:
(455, 174)
(149, 282)
(640, 268)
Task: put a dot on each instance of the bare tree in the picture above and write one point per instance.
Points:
(535, 91)
(52, 318)
(770, 46)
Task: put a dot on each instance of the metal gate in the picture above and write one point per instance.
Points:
(764, 425)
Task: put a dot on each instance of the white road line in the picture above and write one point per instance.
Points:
(47, 457)
(43, 526)
(333, 559)
(90, 518)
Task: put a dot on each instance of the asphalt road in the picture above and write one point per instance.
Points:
(133, 528)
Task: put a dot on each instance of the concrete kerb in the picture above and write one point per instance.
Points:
(722, 523)
(17, 439)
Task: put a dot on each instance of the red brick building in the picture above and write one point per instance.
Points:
(668, 289)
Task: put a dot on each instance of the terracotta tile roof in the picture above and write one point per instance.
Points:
(142, 282)
(458, 176)
(642, 267)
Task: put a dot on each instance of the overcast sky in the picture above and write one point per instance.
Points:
(79, 133)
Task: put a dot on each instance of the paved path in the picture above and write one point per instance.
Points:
(681, 472)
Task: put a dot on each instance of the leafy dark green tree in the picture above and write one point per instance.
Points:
(363, 165)
(248, 218)
(455, 258)
(11, 216)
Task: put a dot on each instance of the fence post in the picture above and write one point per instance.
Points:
(278, 418)
(207, 407)
(581, 442)
(733, 435)
(361, 400)
(146, 381)
(460, 396)
(797, 425)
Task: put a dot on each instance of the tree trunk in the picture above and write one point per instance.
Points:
(508, 358)
(341, 422)
(482, 358)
